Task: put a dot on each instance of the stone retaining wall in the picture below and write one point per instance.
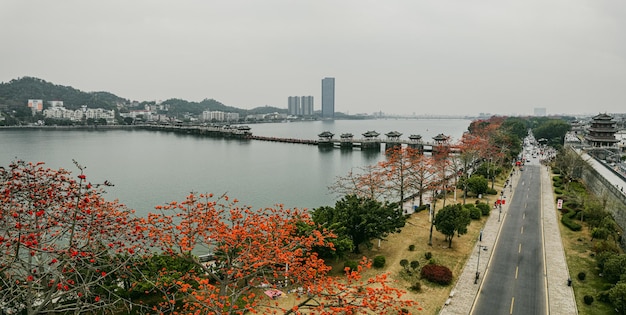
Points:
(616, 204)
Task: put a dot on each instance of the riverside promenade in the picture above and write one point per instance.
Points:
(560, 296)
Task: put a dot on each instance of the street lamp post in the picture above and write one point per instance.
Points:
(499, 211)
(478, 262)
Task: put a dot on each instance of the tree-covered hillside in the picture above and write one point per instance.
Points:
(17, 92)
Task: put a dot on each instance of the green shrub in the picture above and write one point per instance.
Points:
(475, 213)
(437, 274)
(379, 262)
(411, 247)
(588, 299)
(404, 263)
(428, 255)
(414, 264)
(572, 225)
(491, 191)
(484, 208)
(421, 208)
(351, 264)
(582, 275)
(417, 287)
(571, 204)
(558, 191)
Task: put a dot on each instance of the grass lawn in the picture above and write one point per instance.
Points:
(578, 253)
(432, 296)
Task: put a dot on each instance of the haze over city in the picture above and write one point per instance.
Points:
(398, 57)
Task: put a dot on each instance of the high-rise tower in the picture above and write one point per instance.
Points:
(328, 98)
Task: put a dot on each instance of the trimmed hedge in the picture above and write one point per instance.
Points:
(437, 274)
(572, 225)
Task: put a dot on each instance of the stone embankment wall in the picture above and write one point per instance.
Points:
(616, 200)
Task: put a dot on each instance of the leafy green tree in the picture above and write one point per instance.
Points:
(515, 126)
(477, 184)
(553, 130)
(614, 268)
(617, 296)
(361, 219)
(451, 220)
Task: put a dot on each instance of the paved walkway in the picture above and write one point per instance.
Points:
(560, 295)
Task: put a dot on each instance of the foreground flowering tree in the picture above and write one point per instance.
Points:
(63, 249)
(255, 254)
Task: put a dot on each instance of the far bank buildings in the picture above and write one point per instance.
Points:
(303, 105)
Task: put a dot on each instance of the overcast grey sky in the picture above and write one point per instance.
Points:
(396, 56)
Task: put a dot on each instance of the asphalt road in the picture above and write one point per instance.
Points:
(515, 280)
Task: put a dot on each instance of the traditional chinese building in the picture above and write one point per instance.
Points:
(602, 131)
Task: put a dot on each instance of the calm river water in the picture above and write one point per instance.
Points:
(151, 168)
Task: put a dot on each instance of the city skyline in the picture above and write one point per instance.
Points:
(397, 57)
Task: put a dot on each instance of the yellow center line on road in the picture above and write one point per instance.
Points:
(516, 271)
(512, 303)
(520, 248)
(522, 231)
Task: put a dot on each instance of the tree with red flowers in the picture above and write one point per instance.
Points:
(254, 253)
(63, 247)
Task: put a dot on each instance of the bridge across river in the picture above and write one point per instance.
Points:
(370, 140)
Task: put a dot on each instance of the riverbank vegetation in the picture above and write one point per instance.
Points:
(66, 249)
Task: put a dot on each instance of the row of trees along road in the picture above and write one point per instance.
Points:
(65, 249)
(408, 174)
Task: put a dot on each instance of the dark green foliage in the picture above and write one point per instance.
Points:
(451, 220)
(588, 299)
(421, 208)
(475, 213)
(600, 233)
(379, 262)
(428, 255)
(602, 257)
(614, 268)
(417, 287)
(411, 247)
(404, 263)
(492, 191)
(17, 93)
(572, 225)
(351, 265)
(572, 204)
(360, 219)
(582, 275)
(617, 296)
(414, 264)
(558, 191)
(485, 209)
(553, 130)
(477, 184)
(437, 274)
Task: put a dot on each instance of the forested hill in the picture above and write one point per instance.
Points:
(17, 92)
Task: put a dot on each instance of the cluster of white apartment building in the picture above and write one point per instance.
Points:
(57, 111)
(218, 116)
